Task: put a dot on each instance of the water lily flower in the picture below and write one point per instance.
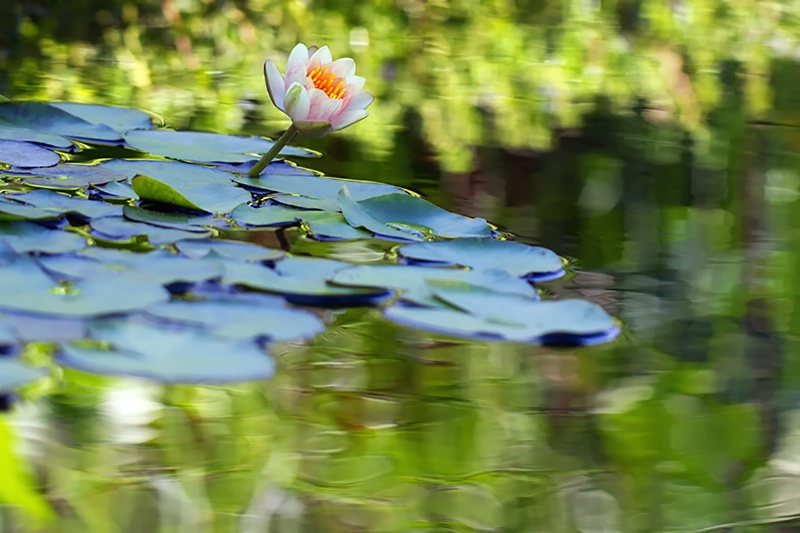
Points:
(319, 94)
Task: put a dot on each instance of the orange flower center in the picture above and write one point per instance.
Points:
(325, 81)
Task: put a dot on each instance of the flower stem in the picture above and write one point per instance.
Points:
(269, 156)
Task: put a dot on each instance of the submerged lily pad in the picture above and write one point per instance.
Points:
(484, 314)
(24, 237)
(25, 287)
(414, 283)
(242, 319)
(167, 353)
(120, 119)
(408, 217)
(45, 118)
(119, 228)
(204, 147)
(14, 374)
(531, 262)
(237, 250)
(26, 154)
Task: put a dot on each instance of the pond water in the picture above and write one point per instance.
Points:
(653, 145)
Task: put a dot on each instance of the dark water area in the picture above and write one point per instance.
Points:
(655, 145)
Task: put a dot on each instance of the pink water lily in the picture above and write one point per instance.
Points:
(319, 94)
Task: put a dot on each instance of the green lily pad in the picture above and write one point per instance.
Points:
(212, 198)
(159, 266)
(13, 209)
(531, 262)
(179, 221)
(120, 229)
(25, 287)
(26, 154)
(204, 147)
(408, 217)
(61, 203)
(120, 119)
(25, 237)
(44, 118)
(15, 133)
(331, 226)
(236, 250)
(116, 189)
(302, 280)
(266, 216)
(14, 374)
(415, 282)
(69, 176)
(167, 354)
(508, 317)
(242, 319)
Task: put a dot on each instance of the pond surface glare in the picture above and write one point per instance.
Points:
(653, 145)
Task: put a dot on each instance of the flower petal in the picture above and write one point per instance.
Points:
(313, 128)
(355, 84)
(275, 85)
(361, 100)
(299, 56)
(323, 107)
(343, 68)
(348, 118)
(297, 102)
(320, 57)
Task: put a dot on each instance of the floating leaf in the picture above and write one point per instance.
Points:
(44, 118)
(116, 189)
(16, 133)
(412, 216)
(24, 237)
(168, 354)
(204, 147)
(166, 170)
(14, 374)
(37, 328)
(119, 228)
(238, 319)
(212, 198)
(61, 203)
(237, 250)
(179, 221)
(120, 119)
(302, 280)
(279, 166)
(12, 209)
(530, 262)
(267, 215)
(328, 226)
(25, 154)
(25, 287)
(70, 176)
(414, 282)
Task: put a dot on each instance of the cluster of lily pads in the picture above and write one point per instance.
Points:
(120, 262)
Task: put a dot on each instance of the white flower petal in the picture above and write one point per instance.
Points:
(320, 57)
(323, 107)
(297, 102)
(343, 68)
(299, 56)
(360, 101)
(313, 128)
(348, 118)
(355, 84)
(275, 84)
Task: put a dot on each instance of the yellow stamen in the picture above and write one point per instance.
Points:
(324, 80)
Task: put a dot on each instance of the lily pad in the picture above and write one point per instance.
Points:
(15, 133)
(26, 154)
(13, 209)
(120, 119)
(159, 219)
(530, 262)
(61, 203)
(25, 287)
(278, 166)
(236, 250)
(331, 226)
(38, 328)
(204, 147)
(414, 283)
(44, 118)
(408, 217)
(212, 198)
(237, 319)
(266, 216)
(70, 176)
(116, 189)
(302, 280)
(168, 354)
(14, 374)
(24, 237)
(119, 228)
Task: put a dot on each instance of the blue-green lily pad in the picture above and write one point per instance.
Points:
(181, 221)
(414, 283)
(168, 354)
(266, 216)
(44, 118)
(237, 319)
(61, 203)
(24, 237)
(331, 226)
(25, 287)
(204, 147)
(15, 133)
(13, 209)
(26, 154)
(302, 280)
(408, 217)
(212, 198)
(120, 119)
(14, 374)
(531, 262)
(278, 166)
(70, 176)
(38, 328)
(236, 250)
(116, 189)
(121, 229)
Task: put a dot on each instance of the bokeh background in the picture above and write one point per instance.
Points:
(654, 143)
